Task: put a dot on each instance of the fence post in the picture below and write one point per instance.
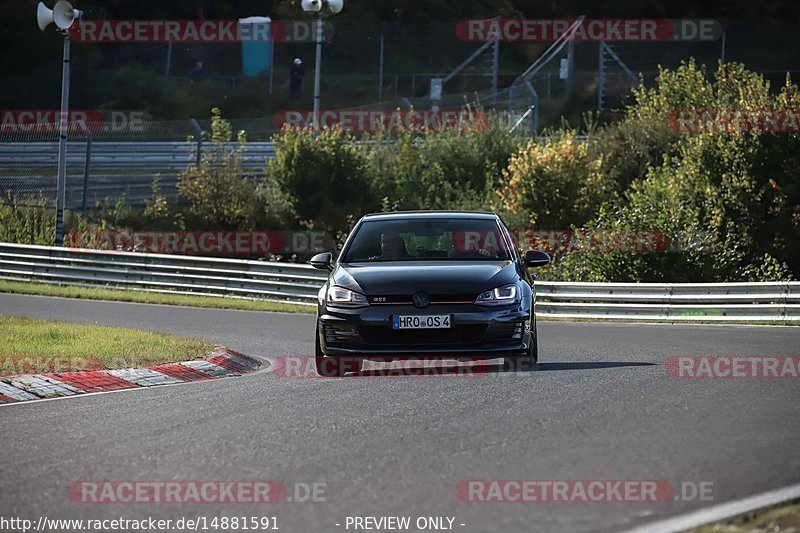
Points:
(570, 70)
(199, 137)
(534, 107)
(495, 70)
(271, 57)
(168, 68)
(601, 76)
(380, 66)
(86, 164)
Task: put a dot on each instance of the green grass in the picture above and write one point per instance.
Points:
(32, 346)
(785, 518)
(121, 295)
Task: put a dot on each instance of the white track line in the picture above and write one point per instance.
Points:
(720, 512)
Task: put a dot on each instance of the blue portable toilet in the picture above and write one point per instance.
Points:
(257, 49)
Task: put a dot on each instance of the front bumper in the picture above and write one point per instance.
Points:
(477, 331)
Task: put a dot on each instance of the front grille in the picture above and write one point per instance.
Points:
(407, 299)
(384, 335)
(504, 332)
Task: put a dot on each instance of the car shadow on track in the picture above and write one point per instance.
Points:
(441, 369)
(547, 367)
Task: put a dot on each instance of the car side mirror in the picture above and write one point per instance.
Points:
(535, 258)
(322, 261)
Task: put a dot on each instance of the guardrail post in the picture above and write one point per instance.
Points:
(199, 138)
(670, 294)
(787, 291)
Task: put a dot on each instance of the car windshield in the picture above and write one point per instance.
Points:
(451, 239)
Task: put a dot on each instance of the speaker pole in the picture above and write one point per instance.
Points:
(317, 74)
(63, 130)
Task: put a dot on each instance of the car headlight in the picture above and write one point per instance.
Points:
(341, 297)
(505, 295)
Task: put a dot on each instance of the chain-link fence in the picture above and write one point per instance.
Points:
(105, 162)
(368, 65)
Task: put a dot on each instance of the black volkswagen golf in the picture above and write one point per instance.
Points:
(428, 284)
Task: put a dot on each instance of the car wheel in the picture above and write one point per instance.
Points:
(528, 361)
(329, 367)
(333, 367)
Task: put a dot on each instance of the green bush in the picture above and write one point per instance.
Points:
(325, 177)
(219, 195)
(451, 169)
(33, 221)
(729, 201)
(553, 183)
(27, 222)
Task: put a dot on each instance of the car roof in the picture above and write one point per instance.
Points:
(432, 214)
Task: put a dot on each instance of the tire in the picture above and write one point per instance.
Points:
(524, 362)
(333, 367)
(329, 367)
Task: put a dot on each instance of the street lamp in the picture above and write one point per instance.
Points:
(63, 15)
(321, 8)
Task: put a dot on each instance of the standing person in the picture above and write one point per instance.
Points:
(198, 73)
(296, 74)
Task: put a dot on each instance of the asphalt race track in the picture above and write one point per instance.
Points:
(601, 407)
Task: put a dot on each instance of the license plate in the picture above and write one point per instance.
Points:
(421, 322)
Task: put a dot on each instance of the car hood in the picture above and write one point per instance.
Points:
(433, 277)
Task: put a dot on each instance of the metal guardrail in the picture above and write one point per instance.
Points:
(207, 276)
(724, 302)
(126, 155)
(708, 302)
